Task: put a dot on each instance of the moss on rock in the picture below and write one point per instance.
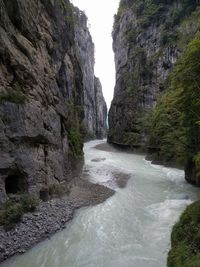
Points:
(185, 239)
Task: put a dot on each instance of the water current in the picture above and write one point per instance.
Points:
(130, 229)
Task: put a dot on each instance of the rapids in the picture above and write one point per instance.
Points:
(130, 229)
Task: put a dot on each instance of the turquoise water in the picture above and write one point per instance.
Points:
(130, 229)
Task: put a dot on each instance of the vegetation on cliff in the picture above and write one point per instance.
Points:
(155, 11)
(174, 129)
(157, 97)
(175, 122)
(48, 97)
(171, 124)
(148, 38)
(185, 239)
(12, 211)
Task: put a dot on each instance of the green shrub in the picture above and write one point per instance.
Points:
(14, 96)
(11, 214)
(174, 122)
(76, 130)
(131, 35)
(75, 142)
(68, 11)
(151, 14)
(185, 239)
(58, 190)
(28, 203)
(12, 211)
(62, 5)
(132, 138)
(151, 11)
(168, 38)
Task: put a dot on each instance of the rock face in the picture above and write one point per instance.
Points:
(100, 110)
(44, 86)
(94, 104)
(145, 43)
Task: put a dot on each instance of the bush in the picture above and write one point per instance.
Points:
(175, 126)
(168, 38)
(185, 251)
(28, 203)
(13, 96)
(12, 211)
(75, 142)
(58, 190)
(11, 214)
(152, 13)
(131, 35)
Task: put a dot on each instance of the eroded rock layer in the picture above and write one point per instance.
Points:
(45, 95)
(148, 37)
(94, 104)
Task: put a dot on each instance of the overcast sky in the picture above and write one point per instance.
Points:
(100, 17)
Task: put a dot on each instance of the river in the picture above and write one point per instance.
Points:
(130, 229)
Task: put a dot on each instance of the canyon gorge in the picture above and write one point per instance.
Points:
(51, 102)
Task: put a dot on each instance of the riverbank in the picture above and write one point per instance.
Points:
(50, 217)
(185, 249)
(119, 231)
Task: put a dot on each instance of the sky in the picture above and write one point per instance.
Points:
(100, 15)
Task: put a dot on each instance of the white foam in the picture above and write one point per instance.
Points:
(168, 208)
(173, 174)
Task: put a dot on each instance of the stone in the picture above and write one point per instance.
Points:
(47, 87)
(95, 108)
(143, 64)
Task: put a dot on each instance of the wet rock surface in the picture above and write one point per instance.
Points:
(98, 159)
(121, 179)
(106, 147)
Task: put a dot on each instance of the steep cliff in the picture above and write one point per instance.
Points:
(95, 109)
(100, 110)
(48, 95)
(148, 37)
(157, 97)
(176, 120)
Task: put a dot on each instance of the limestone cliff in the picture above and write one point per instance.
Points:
(158, 111)
(45, 95)
(148, 37)
(100, 110)
(94, 104)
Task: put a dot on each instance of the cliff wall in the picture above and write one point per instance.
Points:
(148, 37)
(156, 103)
(94, 103)
(48, 95)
